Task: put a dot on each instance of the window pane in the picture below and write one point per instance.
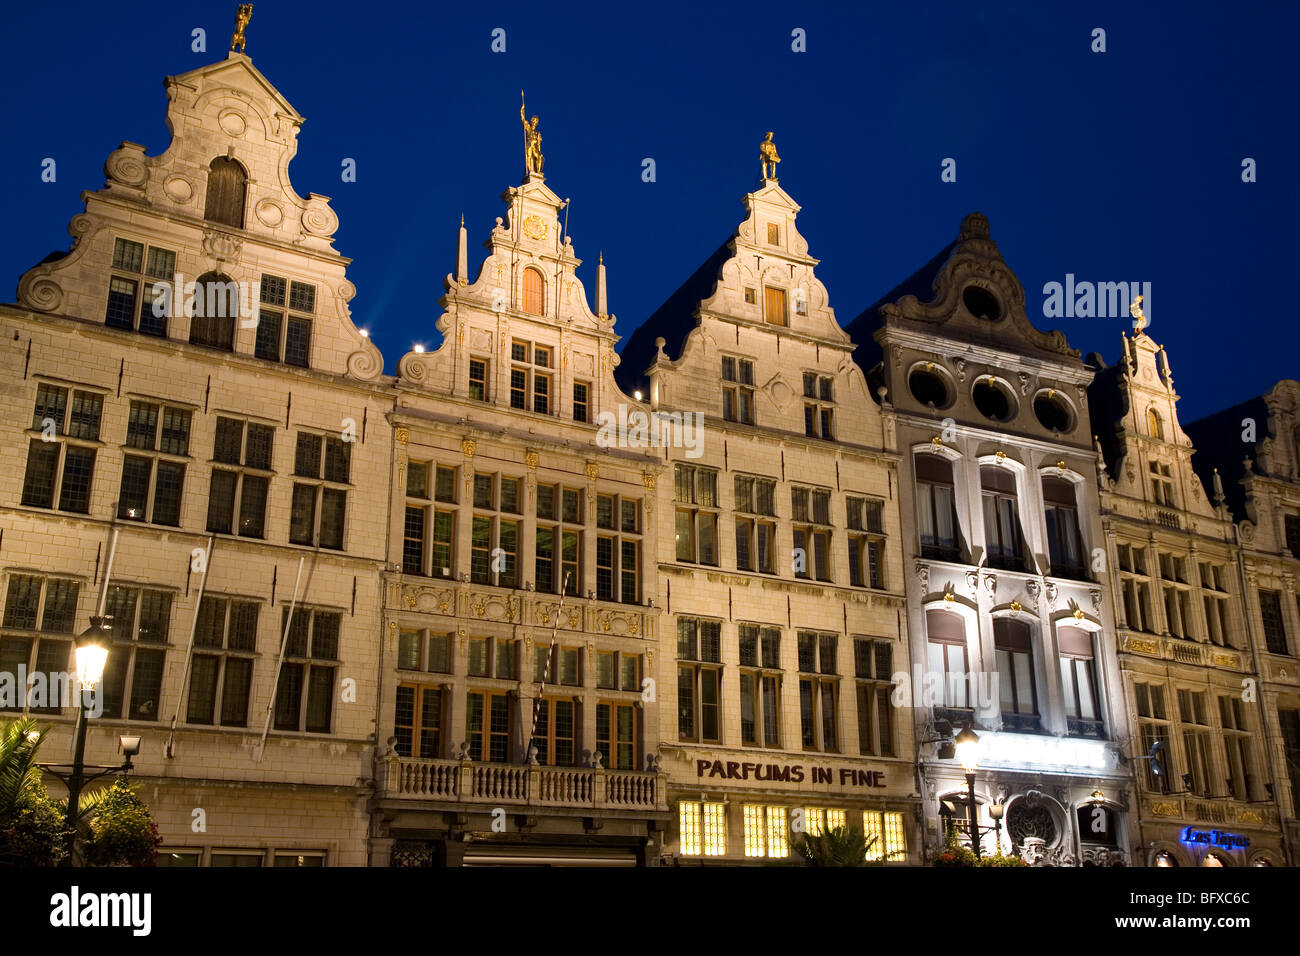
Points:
(252, 506)
(146, 683)
(78, 472)
(203, 689)
(167, 493)
(297, 343)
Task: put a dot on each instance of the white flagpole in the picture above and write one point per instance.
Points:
(284, 643)
(546, 672)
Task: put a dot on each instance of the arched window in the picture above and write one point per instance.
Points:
(1064, 542)
(533, 286)
(1079, 681)
(936, 510)
(216, 305)
(1155, 427)
(946, 637)
(1015, 657)
(225, 200)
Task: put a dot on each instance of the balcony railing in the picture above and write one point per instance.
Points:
(498, 784)
(1083, 727)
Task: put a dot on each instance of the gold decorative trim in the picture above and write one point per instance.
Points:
(648, 480)
(1166, 809)
(403, 434)
(469, 446)
(592, 470)
(1145, 647)
(531, 459)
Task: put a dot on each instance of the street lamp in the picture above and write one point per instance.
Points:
(996, 810)
(967, 745)
(91, 656)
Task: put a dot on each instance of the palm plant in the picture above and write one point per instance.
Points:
(841, 846)
(20, 777)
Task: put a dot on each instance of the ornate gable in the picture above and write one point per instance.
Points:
(978, 299)
(233, 137)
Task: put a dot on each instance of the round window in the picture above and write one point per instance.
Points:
(1052, 411)
(928, 387)
(994, 400)
(981, 303)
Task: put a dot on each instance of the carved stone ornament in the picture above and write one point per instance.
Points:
(648, 480)
(1024, 382)
(923, 576)
(1033, 589)
(403, 434)
(592, 471)
(468, 446)
(221, 246)
(973, 582)
(1052, 594)
(991, 584)
(531, 459)
(1095, 594)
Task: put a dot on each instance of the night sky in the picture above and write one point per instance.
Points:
(1122, 166)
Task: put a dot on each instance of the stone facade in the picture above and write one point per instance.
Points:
(535, 600)
(1252, 452)
(1184, 650)
(999, 509)
(159, 449)
(780, 564)
(500, 489)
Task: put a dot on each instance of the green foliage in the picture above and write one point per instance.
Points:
(122, 831)
(954, 853)
(115, 823)
(32, 826)
(34, 834)
(841, 846)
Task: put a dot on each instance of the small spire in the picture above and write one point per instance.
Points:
(601, 303)
(1218, 489)
(462, 254)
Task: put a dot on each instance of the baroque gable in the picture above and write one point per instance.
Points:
(227, 115)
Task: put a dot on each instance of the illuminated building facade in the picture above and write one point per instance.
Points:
(780, 570)
(1009, 622)
(216, 475)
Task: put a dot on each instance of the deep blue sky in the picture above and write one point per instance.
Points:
(1116, 167)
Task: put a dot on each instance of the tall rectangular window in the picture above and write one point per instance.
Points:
(1195, 725)
(221, 671)
(1289, 725)
(285, 336)
(696, 493)
(811, 529)
(818, 405)
(1064, 543)
(947, 653)
(136, 278)
(40, 616)
(1270, 609)
(886, 836)
(616, 734)
(1003, 537)
(487, 725)
(618, 549)
(1238, 754)
(582, 401)
(702, 829)
(237, 495)
(936, 513)
(319, 505)
(1079, 682)
(1153, 726)
(1015, 662)
(305, 694)
(64, 439)
(531, 377)
(755, 502)
(866, 541)
(478, 379)
(760, 685)
(558, 545)
(738, 389)
(767, 831)
(818, 695)
(418, 721)
(873, 668)
(134, 670)
(699, 680)
(152, 482)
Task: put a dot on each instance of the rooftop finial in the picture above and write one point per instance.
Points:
(1139, 320)
(768, 158)
(533, 158)
(242, 16)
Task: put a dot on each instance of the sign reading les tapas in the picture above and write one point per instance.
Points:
(787, 773)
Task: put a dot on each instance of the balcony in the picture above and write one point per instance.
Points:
(500, 784)
(1013, 723)
(1082, 727)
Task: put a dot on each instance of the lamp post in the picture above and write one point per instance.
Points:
(91, 656)
(996, 810)
(967, 744)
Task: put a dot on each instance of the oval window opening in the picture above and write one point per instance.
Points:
(928, 388)
(992, 400)
(1052, 413)
(981, 303)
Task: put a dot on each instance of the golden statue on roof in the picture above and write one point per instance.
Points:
(532, 141)
(1140, 321)
(767, 156)
(242, 16)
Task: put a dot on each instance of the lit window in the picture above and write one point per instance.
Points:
(766, 831)
(890, 838)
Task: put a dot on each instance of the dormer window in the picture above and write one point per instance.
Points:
(227, 183)
(773, 234)
(533, 289)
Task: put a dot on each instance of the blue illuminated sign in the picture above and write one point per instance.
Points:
(1221, 838)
